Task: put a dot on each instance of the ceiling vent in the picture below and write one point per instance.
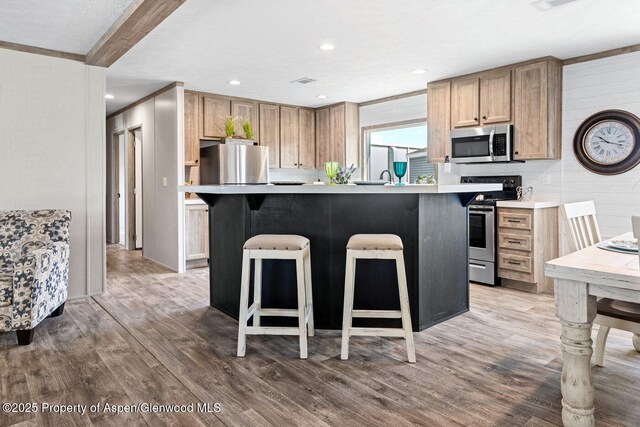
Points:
(304, 81)
(544, 5)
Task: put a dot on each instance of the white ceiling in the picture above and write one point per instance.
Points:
(267, 44)
(66, 25)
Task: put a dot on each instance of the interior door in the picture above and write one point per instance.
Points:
(138, 187)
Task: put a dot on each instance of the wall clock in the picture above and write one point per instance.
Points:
(608, 142)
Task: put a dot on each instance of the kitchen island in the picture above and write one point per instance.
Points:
(430, 219)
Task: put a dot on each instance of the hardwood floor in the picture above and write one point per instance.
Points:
(153, 338)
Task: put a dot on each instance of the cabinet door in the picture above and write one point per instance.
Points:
(323, 137)
(289, 128)
(196, 231)
(191, 131)
(246, 110)
(270, 132)
(438, 121)
(214, 111)
(530, 121)
(338, 134)
(465, 102)
(307, 139)
(495, 97)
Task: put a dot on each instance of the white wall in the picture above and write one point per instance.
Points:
(162, 148)
(588, 88)
(399, 110)
(52, 152)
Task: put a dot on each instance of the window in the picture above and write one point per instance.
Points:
(390, 143)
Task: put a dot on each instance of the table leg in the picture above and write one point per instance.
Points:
(576, 310)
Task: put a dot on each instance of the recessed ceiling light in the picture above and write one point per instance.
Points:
(234, 82)
(544, 5)
(321, 96)
(419, 71)
(327, 46)
(109, 96)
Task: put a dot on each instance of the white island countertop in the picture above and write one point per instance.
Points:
(340, 189)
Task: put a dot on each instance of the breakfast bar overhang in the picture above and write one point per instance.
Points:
(431, 220)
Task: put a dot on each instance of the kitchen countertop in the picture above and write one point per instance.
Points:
(193, 202)
(531, 204)
(340, 189)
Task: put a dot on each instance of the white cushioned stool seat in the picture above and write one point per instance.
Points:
(369, 242)
(277, 242)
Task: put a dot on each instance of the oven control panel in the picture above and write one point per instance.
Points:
(507, 181)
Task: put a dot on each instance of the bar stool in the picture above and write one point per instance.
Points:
(376, 246)
(275, 246)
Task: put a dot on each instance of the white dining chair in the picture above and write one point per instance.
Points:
(581, 226)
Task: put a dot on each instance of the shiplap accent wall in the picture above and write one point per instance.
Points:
(52, 152)
(588, 87)
(162, 155)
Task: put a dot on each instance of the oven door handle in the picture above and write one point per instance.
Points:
(493, 131)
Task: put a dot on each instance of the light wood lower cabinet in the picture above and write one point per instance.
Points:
(527, 238)
(196, 234)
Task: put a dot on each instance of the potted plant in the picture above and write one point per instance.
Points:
(248, 129)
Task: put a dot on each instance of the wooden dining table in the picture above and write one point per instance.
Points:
(581, 278)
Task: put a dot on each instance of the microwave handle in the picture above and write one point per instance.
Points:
(493, 131)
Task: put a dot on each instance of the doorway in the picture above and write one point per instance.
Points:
(134, 193)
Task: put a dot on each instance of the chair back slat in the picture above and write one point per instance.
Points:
(582, 224)
(635, 220)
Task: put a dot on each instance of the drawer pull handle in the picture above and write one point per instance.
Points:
(514, 262)
(515, 241)
(514, 220)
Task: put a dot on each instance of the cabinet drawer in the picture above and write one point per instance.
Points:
(522, 264)
(520, 242)
(520, 221)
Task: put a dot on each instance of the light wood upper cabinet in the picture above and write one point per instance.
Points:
(538, 106)
(289, 137)
(323, 137)
(191, 130)
(337, 134)
(214, 110)
(307, 138)
(270, 132)
(246, 110)
(527, 95)
(465, 102)
(438, 121)
(495, 97)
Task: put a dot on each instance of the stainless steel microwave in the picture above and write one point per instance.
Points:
(482, 145)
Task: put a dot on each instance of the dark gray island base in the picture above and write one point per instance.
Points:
(433, 228)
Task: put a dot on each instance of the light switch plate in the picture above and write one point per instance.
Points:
(164, 181)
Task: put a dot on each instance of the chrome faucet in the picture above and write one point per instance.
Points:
(382, 175)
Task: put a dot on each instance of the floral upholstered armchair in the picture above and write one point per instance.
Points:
(34, 268)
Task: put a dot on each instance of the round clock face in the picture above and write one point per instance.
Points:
(609, 142)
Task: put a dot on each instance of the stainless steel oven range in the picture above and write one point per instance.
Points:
(482, 226)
